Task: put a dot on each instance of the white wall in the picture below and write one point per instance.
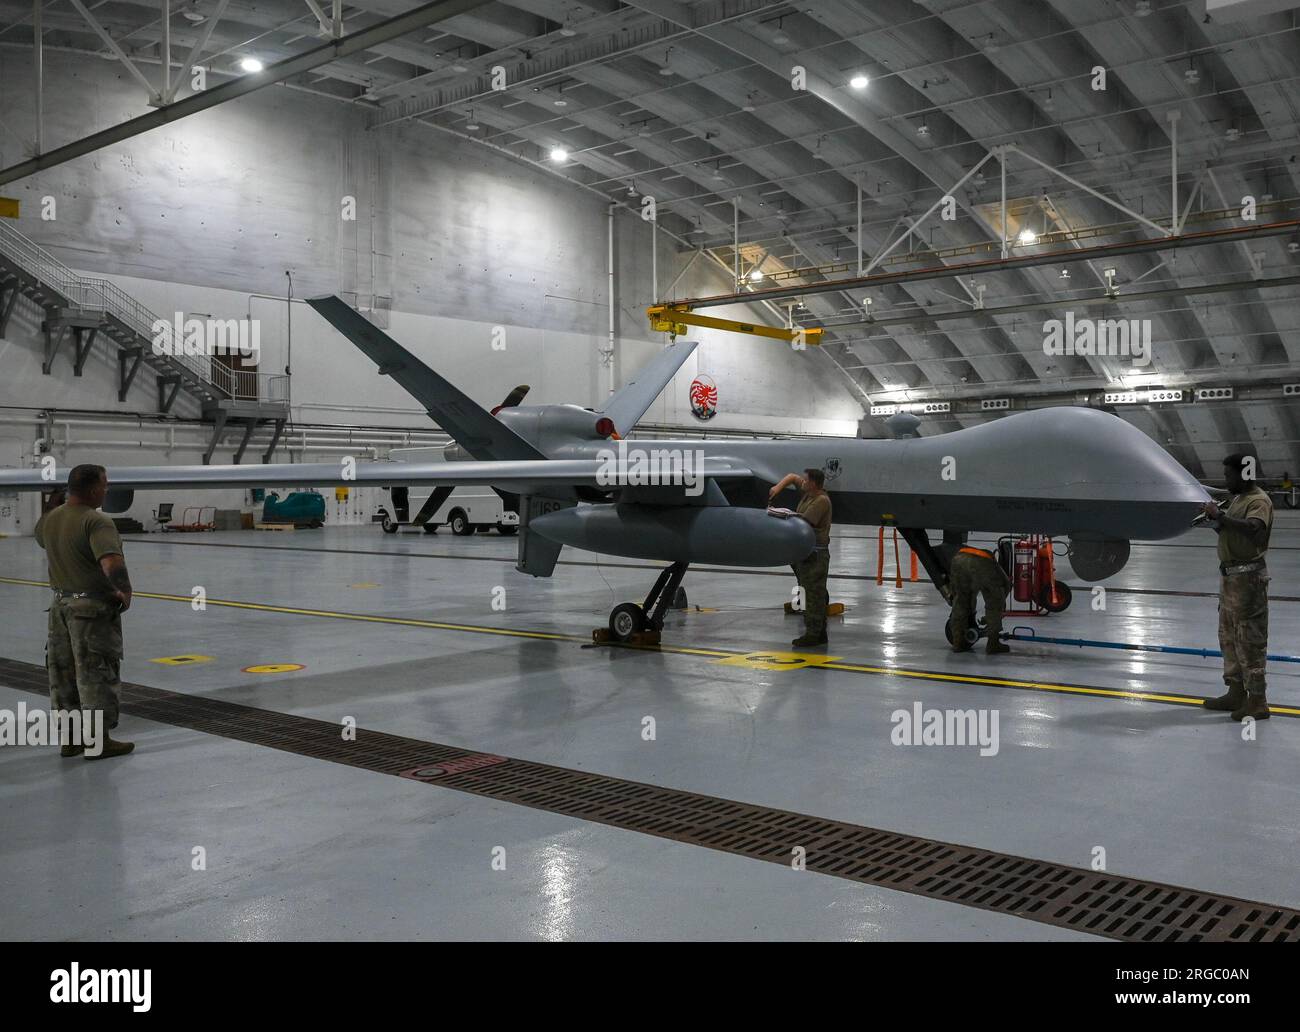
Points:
(205, 215)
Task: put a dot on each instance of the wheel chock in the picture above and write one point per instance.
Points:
(601, 635)
(645, 638)
(834, 609)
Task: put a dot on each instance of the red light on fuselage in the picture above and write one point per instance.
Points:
(605, 427)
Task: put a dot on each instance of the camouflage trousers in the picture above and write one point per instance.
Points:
(811, 574)
(972, 576)
(83, 655)
(1243, 629)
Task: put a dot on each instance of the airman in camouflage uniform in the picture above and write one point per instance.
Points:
(91, 590)
(1243, 526)
(975, 572)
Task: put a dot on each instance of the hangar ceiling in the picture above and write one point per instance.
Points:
(691, 104)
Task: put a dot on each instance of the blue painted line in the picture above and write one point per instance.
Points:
(1033, 636)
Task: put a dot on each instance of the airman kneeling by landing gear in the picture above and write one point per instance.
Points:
(975, 572)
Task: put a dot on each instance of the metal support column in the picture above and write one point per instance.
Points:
(38, 72)
(7, 303)
(654, 259)
(168, 388)
(53, 341)
(275, 440)
(165, 50)
(128, 364)
(735, 240)
(859, 225)
(83, 341)
(249, 427)
(1173, 171)
(1002, 161)
(218, 428)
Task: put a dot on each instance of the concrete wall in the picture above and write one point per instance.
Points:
(450, 240)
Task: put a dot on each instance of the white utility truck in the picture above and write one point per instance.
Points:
(465, 510)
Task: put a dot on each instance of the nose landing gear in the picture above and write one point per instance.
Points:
(633, 624)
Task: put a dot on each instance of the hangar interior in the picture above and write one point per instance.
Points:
(872, 219)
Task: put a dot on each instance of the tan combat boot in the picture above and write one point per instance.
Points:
(1255, 706)
(996, 647)
(112, 748)
(1232, 700)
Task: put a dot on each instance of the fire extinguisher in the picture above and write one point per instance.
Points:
(1026, 568)
(1045, 575)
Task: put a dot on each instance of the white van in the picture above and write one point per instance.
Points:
(465, 510)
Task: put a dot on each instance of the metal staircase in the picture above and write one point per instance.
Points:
(81, 310)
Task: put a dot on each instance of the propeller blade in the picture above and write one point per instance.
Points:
(513, 398)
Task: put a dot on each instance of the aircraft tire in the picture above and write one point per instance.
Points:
(626, 620)
(388, 526)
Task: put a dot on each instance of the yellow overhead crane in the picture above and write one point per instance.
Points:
(675, 319)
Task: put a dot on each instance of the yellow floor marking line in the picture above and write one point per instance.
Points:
(400, 621)
(773, 660)
(273, 668)
(181, 660)
(830, 662)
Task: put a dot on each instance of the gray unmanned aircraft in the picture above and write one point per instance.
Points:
(1065, 471)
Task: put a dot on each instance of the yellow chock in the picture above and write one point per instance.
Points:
(834, 609)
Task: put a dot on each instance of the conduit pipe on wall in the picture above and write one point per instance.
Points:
(609, 270)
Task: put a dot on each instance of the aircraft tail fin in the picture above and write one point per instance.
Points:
(473, 427)
(628, 404)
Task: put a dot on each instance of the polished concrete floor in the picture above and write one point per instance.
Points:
(299, 848)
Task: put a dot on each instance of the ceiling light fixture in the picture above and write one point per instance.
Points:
(859, 82)
(251, 64)
(559, 154)
(1027, 237)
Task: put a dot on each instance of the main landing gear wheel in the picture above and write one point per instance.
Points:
(629, 619)
(1063, 597)
(388, 526)
(626, 620)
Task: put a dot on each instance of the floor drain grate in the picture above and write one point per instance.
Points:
(1068, 897)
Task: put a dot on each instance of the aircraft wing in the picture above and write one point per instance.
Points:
(520, 475)
(473, 427)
